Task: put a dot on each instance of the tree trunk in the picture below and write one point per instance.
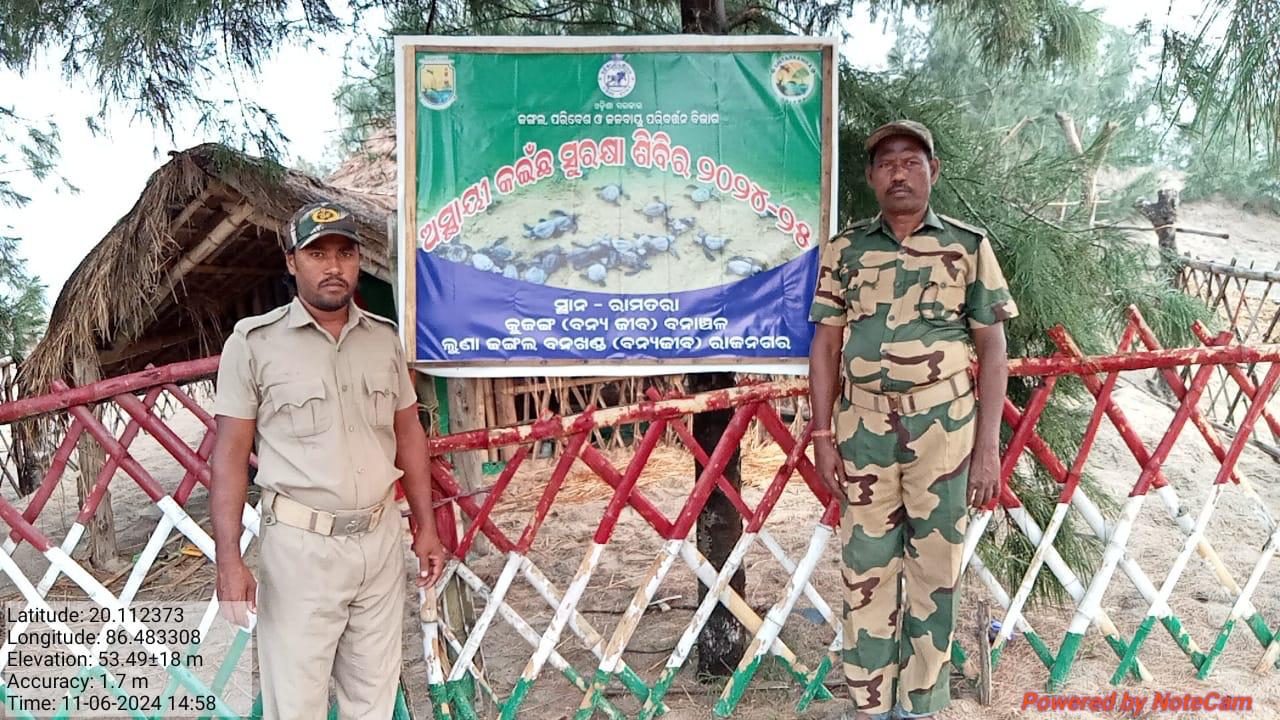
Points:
(103, 553)
(723, 640)
(1163, 214)
(466, 412)
(704, 17)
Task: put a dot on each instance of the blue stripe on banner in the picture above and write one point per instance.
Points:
(464, 314)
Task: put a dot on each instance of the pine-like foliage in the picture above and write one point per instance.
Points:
(1227, 74)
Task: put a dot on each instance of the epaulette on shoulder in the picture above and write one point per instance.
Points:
(249, 324)
(855, 225)
(385, 321)
(980, 232)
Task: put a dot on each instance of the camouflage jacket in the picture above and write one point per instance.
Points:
(908, 305)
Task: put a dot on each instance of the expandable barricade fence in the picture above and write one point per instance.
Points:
(451, 659)
(610, 682)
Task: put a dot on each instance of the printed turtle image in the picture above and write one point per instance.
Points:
(456, 252)
(499, 252)
(550, 260)
(535, 274)
(656, 244)
(680, 226)
(701, 194)
(558, 224)
(743, 266)
(612, 193)
(583, 255)
(683, 242)
(596, 274)
(710, 244)
(656, 210)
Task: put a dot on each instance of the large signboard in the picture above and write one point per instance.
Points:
(635, 204)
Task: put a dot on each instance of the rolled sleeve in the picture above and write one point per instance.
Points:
(828, 306)
(988, 300)
(237, 391)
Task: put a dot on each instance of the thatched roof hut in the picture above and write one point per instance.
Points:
(200, 249)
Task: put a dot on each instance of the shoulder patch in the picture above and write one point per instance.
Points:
(249, 324)
(963, 225)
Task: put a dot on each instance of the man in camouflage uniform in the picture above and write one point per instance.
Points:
(903, 300)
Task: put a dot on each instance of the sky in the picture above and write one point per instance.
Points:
(110, 169)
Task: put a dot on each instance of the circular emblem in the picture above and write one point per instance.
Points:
(793, 77)
(616, 77)
(437, 88)
(324, 215)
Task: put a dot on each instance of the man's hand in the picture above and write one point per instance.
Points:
(237, 591)
(830, 465)
(984, 474)
(431, 556)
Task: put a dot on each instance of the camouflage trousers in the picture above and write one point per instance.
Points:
(902, 528)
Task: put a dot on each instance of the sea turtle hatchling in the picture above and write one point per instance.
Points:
(565, 222)
(744, 266)
(511, 272)
(558, 224)
(583, 255)
(630, 260)
(655, 210)
(596, 274)
(655, 244)
(680, 226)
(500, 252)
(550, 260)
(482, 262)
(700, 194)
(535, 274)
(456, 252)
(612, 193)
(710, 244)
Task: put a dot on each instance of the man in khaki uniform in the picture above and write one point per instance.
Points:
(323, 387)
(902, 302)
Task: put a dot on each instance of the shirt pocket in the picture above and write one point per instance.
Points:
(942, 300)
(862, 292)
(380, 398)
(303, 402)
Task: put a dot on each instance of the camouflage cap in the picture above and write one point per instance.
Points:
(909, 128)
(317, 220)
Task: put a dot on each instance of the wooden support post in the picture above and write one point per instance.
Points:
(984, 654)
(723, 640)
(505, 410)
(466, 412)
(103, 554)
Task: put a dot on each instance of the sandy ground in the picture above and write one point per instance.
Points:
(1237, 531)
(687, 267)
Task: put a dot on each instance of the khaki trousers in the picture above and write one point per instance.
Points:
(330, 607)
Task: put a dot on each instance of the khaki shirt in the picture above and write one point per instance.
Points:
(909, 305)
(324, 410)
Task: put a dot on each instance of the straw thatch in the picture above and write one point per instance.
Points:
(372, 168)
(199, 250)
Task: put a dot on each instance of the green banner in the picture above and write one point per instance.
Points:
(614, 204)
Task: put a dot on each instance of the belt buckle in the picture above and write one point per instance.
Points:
(352, 526)
(895, 403)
